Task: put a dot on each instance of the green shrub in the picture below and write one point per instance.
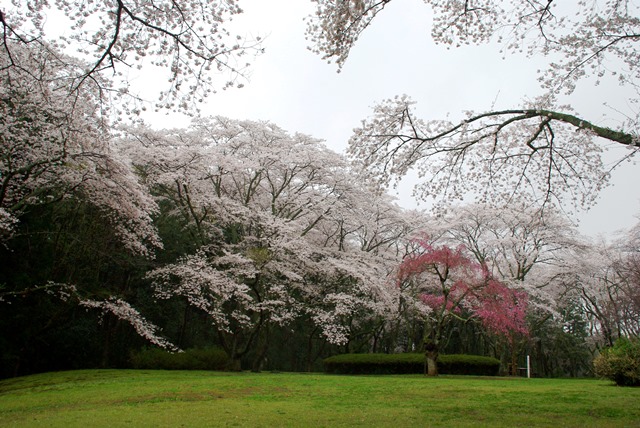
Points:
(621, 363)
(410, 363)
(190, 359)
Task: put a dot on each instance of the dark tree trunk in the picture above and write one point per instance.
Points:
(235, 364)
(261, 351)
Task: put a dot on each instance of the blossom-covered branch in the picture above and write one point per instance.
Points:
(55, 145)
(496, 156)
(126, 312)
(187, 39)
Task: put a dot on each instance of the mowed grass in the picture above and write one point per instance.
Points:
(114, 398)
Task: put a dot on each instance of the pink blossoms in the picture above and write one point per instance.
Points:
(452, 285)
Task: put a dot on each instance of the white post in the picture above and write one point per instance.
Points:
(528, 367)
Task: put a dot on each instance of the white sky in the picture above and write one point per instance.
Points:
(295, 89)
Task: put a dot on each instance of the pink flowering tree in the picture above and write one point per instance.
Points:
(450, 285)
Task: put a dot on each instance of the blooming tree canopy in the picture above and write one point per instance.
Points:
(523, 246)
(187, 42)
(285, 228)
(542, 149)
(452, 285)
(606, 286)
(55, 144)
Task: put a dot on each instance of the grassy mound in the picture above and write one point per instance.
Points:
(141, 398)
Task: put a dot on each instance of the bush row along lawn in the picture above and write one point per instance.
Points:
(198, 398)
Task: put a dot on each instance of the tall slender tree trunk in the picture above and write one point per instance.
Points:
(235, 362)
(309, 359)
(183, 326)
(514, 362)
(261, 351)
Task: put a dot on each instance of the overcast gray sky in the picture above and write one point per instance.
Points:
(295, 89)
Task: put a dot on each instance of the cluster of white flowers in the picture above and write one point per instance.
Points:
(125, 312)
(495, 156)
(337, 25)
(64, 152)
(286, 229)
(187, 42)
(540, 150)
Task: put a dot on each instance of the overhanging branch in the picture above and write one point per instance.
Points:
(548, 115)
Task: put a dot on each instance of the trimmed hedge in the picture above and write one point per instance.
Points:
(456, 364)
(190, 359)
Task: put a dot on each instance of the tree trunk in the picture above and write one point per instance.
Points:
(514, 360)
(258, 361)
(183, 327)
(309, 359)
(431, 354)
(235, 364)
(432, 363)
(261, 354)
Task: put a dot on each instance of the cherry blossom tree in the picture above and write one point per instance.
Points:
(497, 161)
(285, 230)
(54, 146)
(187, 42)
(630, 298)
(56, 156)
(586, 34)
(576, 288)
(522, 245)
(270, 214)
(529, 249)
(630, 268)
(606, 286)
(451, 285)
(542, 148)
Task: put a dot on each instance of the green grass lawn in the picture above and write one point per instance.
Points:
(95, 398)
